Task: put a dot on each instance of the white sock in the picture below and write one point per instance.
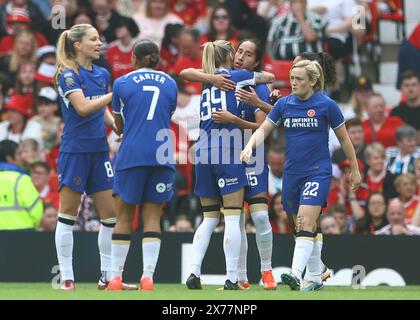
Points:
(201, 242)
(242, 269)
(303, 250)
(264, 237)
(104, 244)
(64, 245)
(151, 248)
(320, 242)
(232, 245)
(314, 268)
(119, 250)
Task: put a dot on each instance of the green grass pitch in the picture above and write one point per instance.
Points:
(43, 291)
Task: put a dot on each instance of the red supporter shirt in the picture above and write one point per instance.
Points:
(362, 195)
(410, 208)
(8, 41)
(184, 62)
(191, 13)
(415, 37)
(52, 198)
(375, 186)
(168, 59)
(119, 59)
(181, 147)
(52, 156)
(386, 134)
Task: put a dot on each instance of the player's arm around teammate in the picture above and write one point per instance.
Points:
(215, 179)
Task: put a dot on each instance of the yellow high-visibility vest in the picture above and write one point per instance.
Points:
(20, 204)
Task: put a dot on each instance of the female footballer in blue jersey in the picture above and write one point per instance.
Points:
(143, 103)
(248, 56)
(83, 163)
(219, 171)
(307, 115)
(315, 265)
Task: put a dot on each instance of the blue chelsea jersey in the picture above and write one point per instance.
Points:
(214, 99)
(83, 134)
(247, 112)
(307, 124)
(145, 99)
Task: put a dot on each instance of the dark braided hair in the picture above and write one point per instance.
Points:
(327, 63)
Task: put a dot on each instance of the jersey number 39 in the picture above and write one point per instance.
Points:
(209, 102)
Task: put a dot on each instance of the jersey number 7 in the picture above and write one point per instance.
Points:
(155, 98)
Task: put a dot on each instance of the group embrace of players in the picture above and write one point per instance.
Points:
(142, 103)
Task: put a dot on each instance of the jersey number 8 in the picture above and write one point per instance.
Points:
(209, 100)
(108, 168)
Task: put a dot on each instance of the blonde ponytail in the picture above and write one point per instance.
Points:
(208, 58)
(215, 55)
(66, 53)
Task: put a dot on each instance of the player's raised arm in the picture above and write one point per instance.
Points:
(264, 77)
(223, 117)
(116, 109)
(220, 81)
(85, 107)
(256, 139)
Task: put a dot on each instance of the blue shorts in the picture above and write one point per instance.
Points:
(85, 172)
(256, 183)
(143, 184)
(309, 189)
(215, 180)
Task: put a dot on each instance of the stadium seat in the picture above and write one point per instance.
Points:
(397, 16)
(281, 69)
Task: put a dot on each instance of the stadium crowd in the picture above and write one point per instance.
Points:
(386, 138)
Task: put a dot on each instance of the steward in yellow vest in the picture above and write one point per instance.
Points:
(20, 204)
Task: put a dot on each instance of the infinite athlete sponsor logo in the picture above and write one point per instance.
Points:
(301, 122)
(160, 187)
